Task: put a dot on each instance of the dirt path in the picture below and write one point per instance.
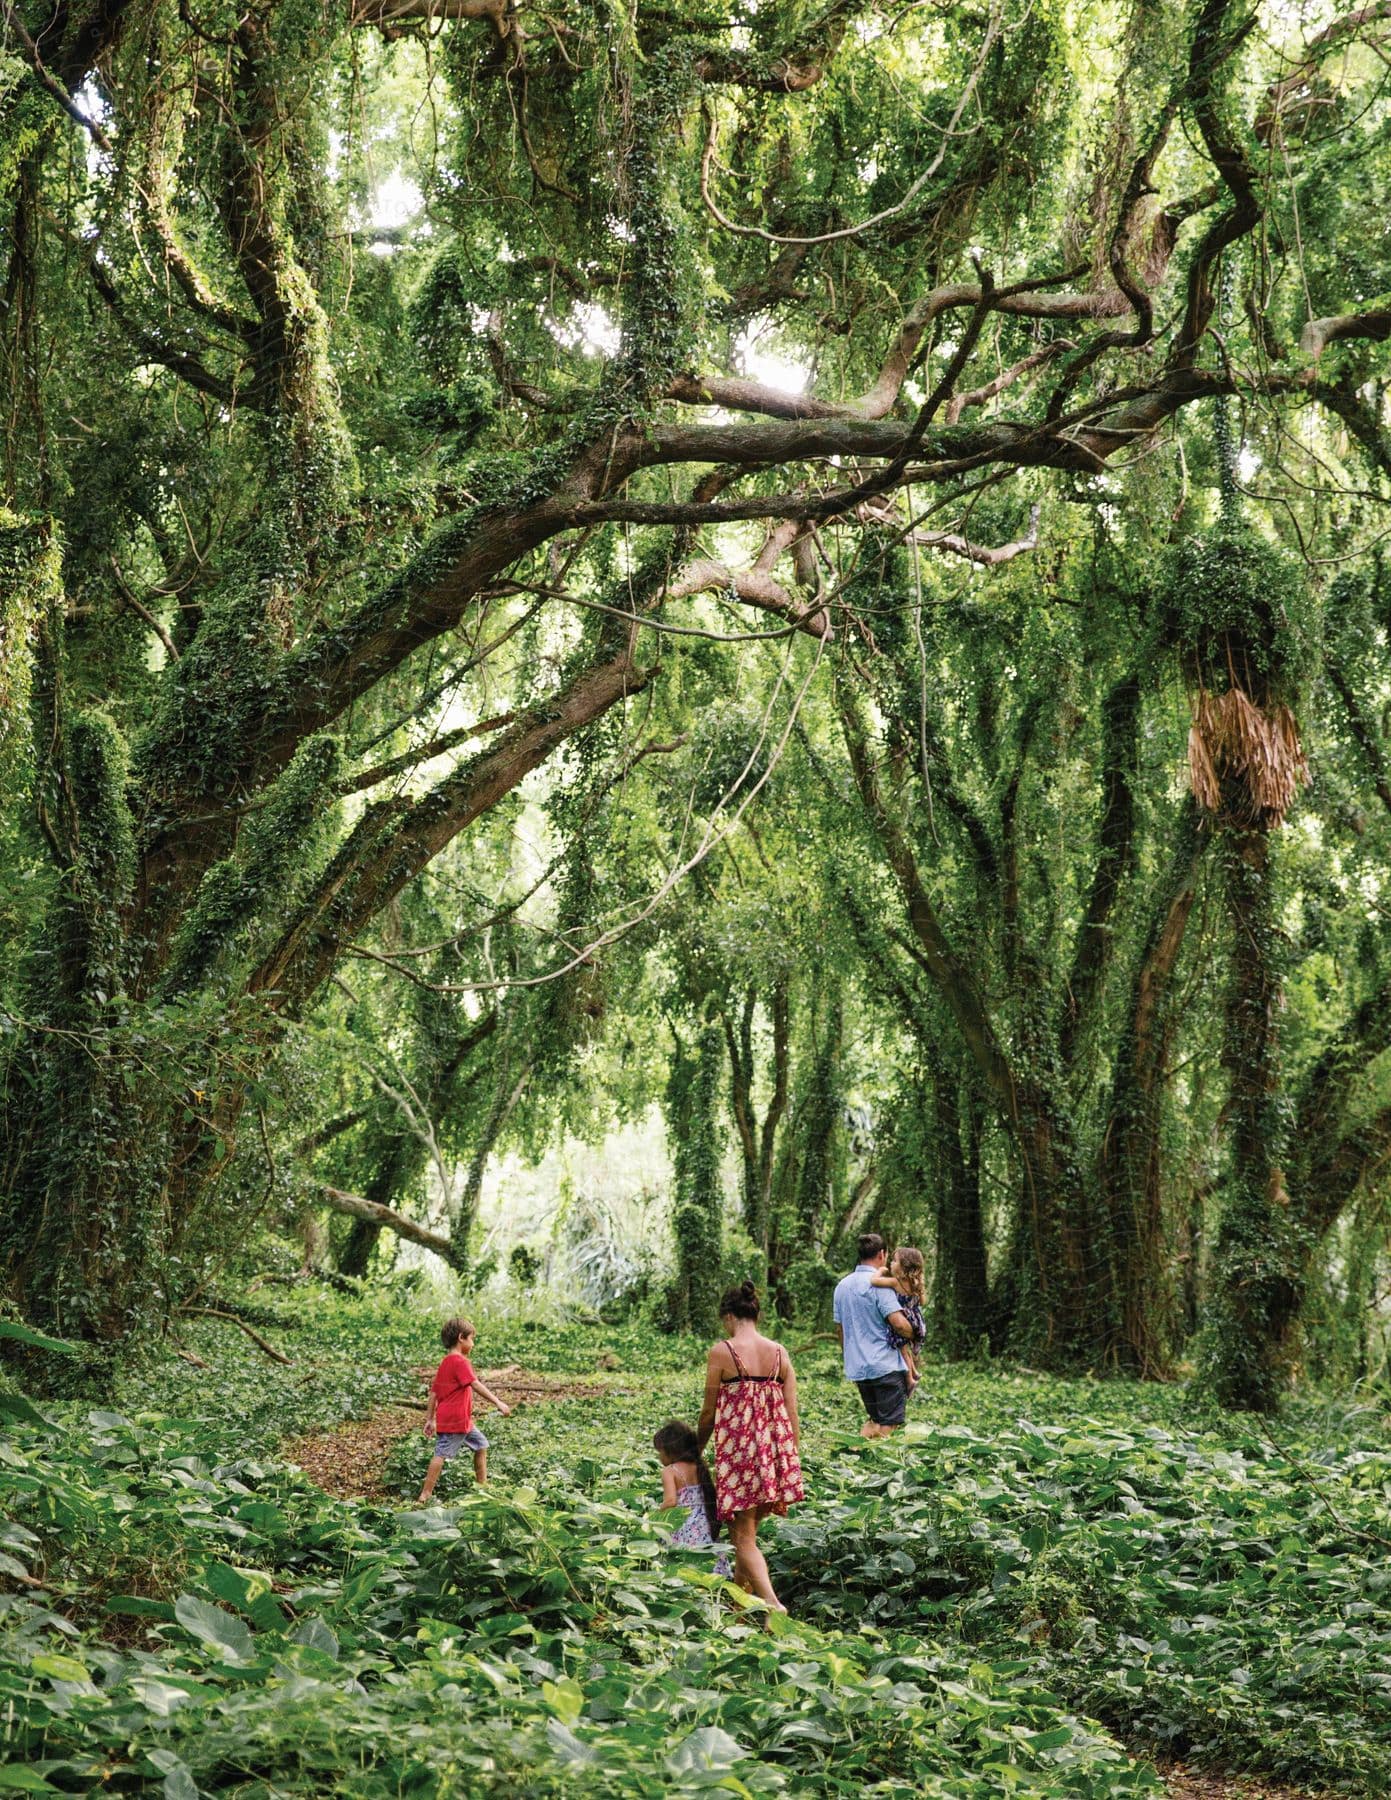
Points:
(350, 1461)
(1201, 1784)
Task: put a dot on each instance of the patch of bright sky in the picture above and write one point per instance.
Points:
(93, 105)
(395, 201)
(622, 1175)
(589, 329)
(756, 357)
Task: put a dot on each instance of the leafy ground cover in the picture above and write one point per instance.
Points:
(185, 1613)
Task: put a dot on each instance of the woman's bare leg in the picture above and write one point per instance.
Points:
(750, 1566)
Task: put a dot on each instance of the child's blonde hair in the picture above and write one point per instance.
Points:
(911, 1270)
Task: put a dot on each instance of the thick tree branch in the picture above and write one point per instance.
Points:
(988, 556)
(949, 974)
(1214, 45)
(374, 1214)
(1373, 322)
(393, 843)
(792, 70)
(152, 346)
(755, 586)
(411, 759)
(1029, 300)
(51, 84)
(1006, 378)
(500, 14)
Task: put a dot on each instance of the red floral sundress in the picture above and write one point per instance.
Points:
(756, 1461)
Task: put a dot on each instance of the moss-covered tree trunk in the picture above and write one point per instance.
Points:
(816, 1197)
(1060, 1275)
(693, 1131)
(1131, 1160)
(1253, 1307)
(961, 1289)
(758, 1138)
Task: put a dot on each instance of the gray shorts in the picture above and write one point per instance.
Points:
(449, 1443)
(886, 1397)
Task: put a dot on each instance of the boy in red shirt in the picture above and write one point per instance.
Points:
(450, 1417)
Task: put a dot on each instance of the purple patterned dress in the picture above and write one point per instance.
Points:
(693, 1533)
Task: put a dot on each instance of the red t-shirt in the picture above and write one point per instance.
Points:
(453, 1391)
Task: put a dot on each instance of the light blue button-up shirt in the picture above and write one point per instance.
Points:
(861, 1312)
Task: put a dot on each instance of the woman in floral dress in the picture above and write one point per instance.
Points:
(751, 1407)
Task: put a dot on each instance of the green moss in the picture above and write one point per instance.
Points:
(254, 885)
(27, 117)
(30, 580)
(693, 1111)
(99, 764)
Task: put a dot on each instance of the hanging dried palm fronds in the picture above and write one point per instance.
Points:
(1237, 608)
(1245, 761)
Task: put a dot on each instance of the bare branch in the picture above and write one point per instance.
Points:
(959, 545)
(1373, 323)
(213, 1312)
(499, 13)
(754, 586)
(375, 1214)
(1006, 378)
(410, 759)
(52, 86)
(793, 71)
(142, 611)
(1027, 299)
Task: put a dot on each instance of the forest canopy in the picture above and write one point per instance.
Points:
(817, 567)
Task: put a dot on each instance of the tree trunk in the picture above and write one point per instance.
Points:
(697, 1195)
(1131, 1159)
(1063, 1301)
(961, 1293)
(358, 1207)
(117, 1178)
(1254, 1305)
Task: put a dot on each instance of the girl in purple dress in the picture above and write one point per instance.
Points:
(686, 1481)
(907, 1278)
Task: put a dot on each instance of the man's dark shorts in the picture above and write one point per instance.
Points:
(886, 1397)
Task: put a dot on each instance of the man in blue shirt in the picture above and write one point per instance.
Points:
(867, 1321)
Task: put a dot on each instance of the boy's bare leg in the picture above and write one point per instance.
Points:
(432, 1475)
(480, 1467)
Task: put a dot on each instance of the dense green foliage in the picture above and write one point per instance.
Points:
(795, 595)
(793, 562)
(183, 1614)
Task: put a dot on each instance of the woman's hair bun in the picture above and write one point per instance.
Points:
(740, 1302)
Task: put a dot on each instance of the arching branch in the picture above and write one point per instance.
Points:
(371, 1213)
